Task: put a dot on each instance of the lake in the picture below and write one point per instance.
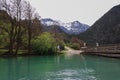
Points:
(62, 67)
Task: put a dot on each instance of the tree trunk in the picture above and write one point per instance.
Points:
(29, 38)
(18, 38)
(11, 40)
(29, 43)
(11, 46)
(17, 46)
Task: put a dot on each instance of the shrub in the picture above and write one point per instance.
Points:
(75, 46)
(44, 44)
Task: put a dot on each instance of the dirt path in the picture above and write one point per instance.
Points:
(72, 51)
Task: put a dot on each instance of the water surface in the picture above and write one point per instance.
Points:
(63, 67)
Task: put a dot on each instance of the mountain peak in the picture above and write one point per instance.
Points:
(74, 27)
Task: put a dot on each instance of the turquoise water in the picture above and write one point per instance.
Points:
(63, 67)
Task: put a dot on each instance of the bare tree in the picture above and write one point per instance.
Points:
(15, 10)
(8, 7)
(37, 26)
(19, 11)
(29, 16)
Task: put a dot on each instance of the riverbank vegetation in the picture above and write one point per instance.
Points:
(21, 31)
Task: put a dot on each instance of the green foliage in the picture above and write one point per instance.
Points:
(75, 46)
(4, 33)
(3, 40)
(44, 44)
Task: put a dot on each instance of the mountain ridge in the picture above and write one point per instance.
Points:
(74, 27)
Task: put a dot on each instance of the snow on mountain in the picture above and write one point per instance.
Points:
(70, 28)
(49, 22)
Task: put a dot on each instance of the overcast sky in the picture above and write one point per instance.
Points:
(85, 11)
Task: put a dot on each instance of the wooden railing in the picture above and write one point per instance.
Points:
(107, 49)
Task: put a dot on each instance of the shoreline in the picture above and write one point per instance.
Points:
(70, 51)
(23, 55)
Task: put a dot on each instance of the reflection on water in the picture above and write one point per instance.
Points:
(75, 67)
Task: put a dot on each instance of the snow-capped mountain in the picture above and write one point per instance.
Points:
(70, 28)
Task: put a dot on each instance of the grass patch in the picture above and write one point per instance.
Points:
(2, 51)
